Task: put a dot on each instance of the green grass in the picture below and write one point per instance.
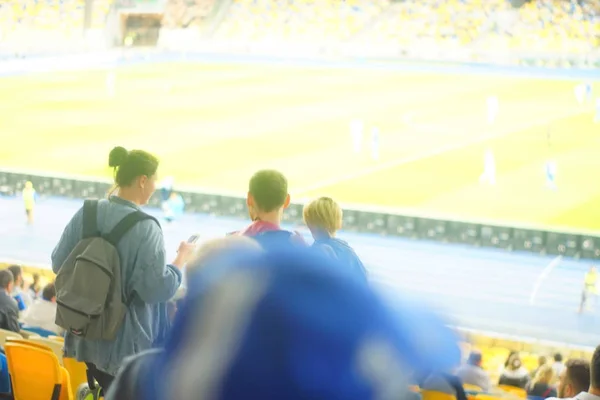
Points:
(213, 125)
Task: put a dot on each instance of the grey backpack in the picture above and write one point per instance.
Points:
(88, 285)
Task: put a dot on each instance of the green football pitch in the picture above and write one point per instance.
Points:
(213, 125)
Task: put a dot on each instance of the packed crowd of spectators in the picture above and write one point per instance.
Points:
(542, 25)
(571, 27)
(307, 21)
(60, 18)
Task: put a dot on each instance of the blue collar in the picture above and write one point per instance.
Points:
(123, 202)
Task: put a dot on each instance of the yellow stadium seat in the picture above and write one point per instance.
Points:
(36, 374)
(487, 397)
(432, 395)
(53, 345)
(77, 372)
(520, 393)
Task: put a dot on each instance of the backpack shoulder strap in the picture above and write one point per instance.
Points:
(115, 236)
(90, 219)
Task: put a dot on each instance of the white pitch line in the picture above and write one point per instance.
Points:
(543, 275)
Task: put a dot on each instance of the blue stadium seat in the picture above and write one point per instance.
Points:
(39, 331)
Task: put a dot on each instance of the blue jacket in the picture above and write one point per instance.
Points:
(342, 252)
(144, 271)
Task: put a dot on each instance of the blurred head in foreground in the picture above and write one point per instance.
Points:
(211, 250)
(286, 325)
(574, 379)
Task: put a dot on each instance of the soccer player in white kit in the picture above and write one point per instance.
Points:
(493, 106)
(356, 130)
(489, 168)
(375, 143)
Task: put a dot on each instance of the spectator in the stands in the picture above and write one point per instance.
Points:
(573, 383)
(323, 216)
(542, 360)
(541, 385)
(42, 312)
(472, 372)
(267, 198)
(145, 274)
(35, 288)
(23, 298)
(515, 374)
(9, 311)
(558, 365)
(575, 379)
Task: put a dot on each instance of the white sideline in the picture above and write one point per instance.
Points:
(543, 275)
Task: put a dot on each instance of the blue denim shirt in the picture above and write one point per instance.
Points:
(344, 253)
(144, 271)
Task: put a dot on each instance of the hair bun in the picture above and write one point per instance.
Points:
(117, 157)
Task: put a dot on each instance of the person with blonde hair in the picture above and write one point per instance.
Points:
(323, 217)
(541, 386)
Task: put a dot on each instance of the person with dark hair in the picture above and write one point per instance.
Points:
(267, 198)
(22, 298)
(558, 367)
(147, 281)
(42, 312)
(575, 379)
(472, 373)
(515, 374)
(34, 288)
(9, 311)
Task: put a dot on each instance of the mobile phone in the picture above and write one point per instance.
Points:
(193, 238)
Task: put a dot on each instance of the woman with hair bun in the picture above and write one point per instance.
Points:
(148, 282)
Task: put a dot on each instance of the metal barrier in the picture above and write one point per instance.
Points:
(375, 221)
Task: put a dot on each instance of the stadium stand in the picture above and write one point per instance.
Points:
(423, 26)
(303, 21)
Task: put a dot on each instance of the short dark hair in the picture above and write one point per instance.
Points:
(269, 189)
(595, 369)
(475, 358)
(558, 357)
(578, 373)
(16, 271)
(6, 278)
(129, 165)
(49, 292)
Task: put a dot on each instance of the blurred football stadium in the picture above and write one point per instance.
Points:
(221, 89)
